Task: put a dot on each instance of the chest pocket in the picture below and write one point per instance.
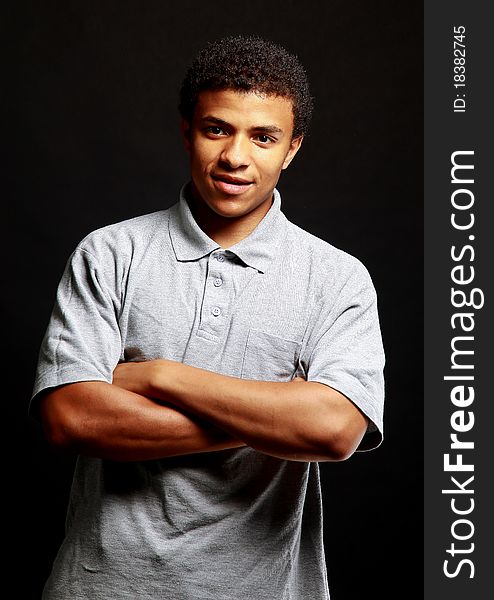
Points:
(268, 357)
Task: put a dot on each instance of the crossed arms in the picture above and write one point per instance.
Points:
(164, 408)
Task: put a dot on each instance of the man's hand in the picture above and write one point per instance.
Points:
(140, 377)
(137, 376)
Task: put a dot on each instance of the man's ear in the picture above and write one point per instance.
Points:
(185, 132)
(294, 148)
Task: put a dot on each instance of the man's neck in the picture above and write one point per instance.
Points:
(225, 231)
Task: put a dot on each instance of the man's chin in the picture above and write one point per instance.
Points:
(229, 208)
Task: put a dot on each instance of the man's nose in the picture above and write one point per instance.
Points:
(236, 152)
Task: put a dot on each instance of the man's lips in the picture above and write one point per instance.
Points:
(230, 179)
(231, 185)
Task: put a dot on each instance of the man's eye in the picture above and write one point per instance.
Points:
(215, 130)
(264, 139)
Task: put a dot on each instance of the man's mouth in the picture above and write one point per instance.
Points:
(230, 184)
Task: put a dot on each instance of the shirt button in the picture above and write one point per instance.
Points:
(217, 282)
(215, 311)
(220, 257)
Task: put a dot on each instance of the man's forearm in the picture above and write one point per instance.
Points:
(103, 420)
(296, 420)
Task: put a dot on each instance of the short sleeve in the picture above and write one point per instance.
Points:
(82, 341)
(345, 350)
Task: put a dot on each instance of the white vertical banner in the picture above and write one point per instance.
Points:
(458, 301)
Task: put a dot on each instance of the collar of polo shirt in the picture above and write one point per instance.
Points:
(257, 250)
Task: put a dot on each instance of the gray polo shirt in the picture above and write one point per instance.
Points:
(228, 525)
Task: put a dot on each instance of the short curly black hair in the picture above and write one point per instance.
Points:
(249, 63)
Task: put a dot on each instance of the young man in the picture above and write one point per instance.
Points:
(202, 359)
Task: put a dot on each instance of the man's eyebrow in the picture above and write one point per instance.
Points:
(268, 129)
(272, 129)
(211, 119)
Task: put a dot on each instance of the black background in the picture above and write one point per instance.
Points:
(92, 138)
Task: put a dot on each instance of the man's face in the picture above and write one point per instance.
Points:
(238, 145)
